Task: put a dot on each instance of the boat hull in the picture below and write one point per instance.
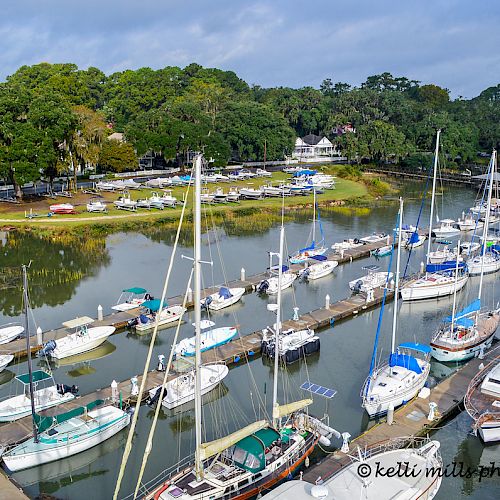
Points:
(78, 344)
(166, 318)
(431, 291)
(5, 360)
(217, 304)
(9, 333)
(490, 432)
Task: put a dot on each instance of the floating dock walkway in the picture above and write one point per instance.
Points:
(410, 420)
(120, 319)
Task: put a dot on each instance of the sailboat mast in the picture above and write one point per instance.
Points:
(28, 350)
(453, 311)
(314, 216)
(436, 152)
(277, 330)
(487, 220)
(197, 315)
(396, 284)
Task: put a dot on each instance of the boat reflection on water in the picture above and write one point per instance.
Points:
(6, 376)
(102, 351)
(54, 475)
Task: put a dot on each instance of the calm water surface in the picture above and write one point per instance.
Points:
(95, 273)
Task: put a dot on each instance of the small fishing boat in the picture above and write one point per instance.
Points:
(233, 195)
(151, 314)
(263, 173)
(374, 279)
(62, 208)
(481, 402)
(375, 238)
(124, 202)
(219, 196)
(131, 184)
(155, 201)
(5, 359)
(143, 203)
(209, 339)
(270, 285)
(225, 297)
(180, 390)
(10, 332)
(323, 268)
(251, 193)
(442, 254)
(447, 228)
(167, 199)
(382, 251)
(82, 340)
(130, 298)
(347, 244)
(96, 205)
(105, 186)
(206, 196)
(469, 222)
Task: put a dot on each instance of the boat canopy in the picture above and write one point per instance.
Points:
(250, 453)
(471, 308)
(225, 293)
(153, 305)
(43, 423)
(319, 257)
(135, 289)
(38, 376)
(449, 265)
(78, 322)
(415, 347)
(405, 361)
(306, 249)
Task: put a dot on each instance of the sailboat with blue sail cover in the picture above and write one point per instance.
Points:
(315, 248)
(401, 377)
(66, 434)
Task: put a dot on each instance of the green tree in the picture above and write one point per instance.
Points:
(116, 156)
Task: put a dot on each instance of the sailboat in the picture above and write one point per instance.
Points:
(249, 460)
(439, 279)
(65, 434)
(315, 248)
(468, 332)
(397, 381)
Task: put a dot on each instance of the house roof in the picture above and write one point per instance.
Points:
(312, 139)
(116, 136)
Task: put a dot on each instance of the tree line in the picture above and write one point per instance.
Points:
(54, 117)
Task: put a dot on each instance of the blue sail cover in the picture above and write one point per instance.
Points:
(225, 293)
(465, 322)
(319, 257)
(414, 237)
(284, 269)
(405, 361)
(449, 265)
(306, 249)
(471, 308)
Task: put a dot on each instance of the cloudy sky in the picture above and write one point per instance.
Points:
(453, 43)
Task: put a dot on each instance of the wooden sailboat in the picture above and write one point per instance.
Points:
(250, 460)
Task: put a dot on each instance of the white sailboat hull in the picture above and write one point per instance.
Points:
(432, 287)
(20, 406)
(77, 343)
(180, 390)
(106, 424)
(491, 264)
(444, 355)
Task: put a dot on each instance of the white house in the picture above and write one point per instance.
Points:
(314, 147)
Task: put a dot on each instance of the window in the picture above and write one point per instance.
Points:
(242, 483)
(382, 384)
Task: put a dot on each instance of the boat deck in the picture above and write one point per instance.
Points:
(410, 420)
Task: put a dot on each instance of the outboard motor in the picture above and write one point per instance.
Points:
(63, 389)
(356, 241)
(47, 349)
(357, 287)
(151, 401)
(207, 302)
(305, 274)
(132, 322)
(263, 286)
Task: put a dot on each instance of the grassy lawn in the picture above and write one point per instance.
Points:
(15, 213)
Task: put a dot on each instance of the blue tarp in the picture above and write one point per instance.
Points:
(225, 293)
(449, 265)
(413, 238)
(405, 361)
(300, 173)
(471, 308)
(319, 257)
(284, 269)
(416, 347)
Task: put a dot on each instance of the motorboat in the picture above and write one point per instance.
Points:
(105, 186)
(348, 244)
(481, 402)
(270, 285)
(219, 196)
(291, 170)
(375, 238)
(10, 332)
(156, 201)
(374, 279)
(421, 456)
(465, 333)
(446, 229)
(124, 202)
(131, 298)
(82, 340)
(469, 222)
(180, 390)
(442, 254)
(261, 172)
(207, 197)
(381, 251)
(480, 209)
(151, 315)
(5, 359)
(246, 173)
(46, 394)
(167, 199)
(96, 205)
(62, 208)
(487, 263)
(251, 193)
(67, 434)
(233, 194)
(322, 268)
(143, 203)
(209, 339)
(225, 297)
(273, 191)
(322, 181)
(131, 184)
(292, 344)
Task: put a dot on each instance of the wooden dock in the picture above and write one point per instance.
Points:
(244, 348)
(120, 319)
(410, 420)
